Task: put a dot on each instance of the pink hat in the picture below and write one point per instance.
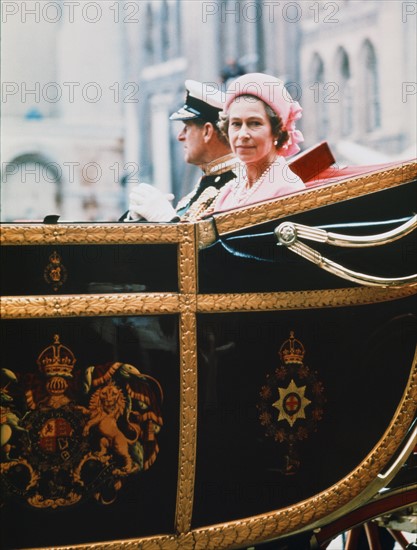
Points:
(272, 91)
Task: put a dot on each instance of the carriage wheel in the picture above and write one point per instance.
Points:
(371, 537)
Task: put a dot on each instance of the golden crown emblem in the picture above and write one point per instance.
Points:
(55, 258)
(292, 350)
(56, 360)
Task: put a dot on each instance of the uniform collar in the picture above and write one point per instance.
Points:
(220, 165)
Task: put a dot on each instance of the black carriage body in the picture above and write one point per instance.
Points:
(259, 395)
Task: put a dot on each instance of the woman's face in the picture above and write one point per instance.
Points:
(250, 132)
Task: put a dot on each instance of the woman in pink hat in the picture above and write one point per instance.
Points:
(259, 119)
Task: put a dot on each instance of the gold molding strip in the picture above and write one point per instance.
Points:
(187, 280)
(304, 299)
(162, 542)
(187, 270)
(19, 307)
(103, 233)
(188, 422)
(312, 198)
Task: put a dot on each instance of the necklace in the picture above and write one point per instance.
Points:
(242, 192)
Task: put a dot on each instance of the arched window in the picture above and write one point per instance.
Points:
(344, 85)
(31, 188)
(149, 30)
(165, 31)
(177, 28)
(371, 111)
(231, 29)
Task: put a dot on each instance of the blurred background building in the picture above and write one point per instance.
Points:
(88, 87)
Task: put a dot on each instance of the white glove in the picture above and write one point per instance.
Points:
(148, 203)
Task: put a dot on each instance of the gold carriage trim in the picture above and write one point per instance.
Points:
(312, 198)
(305, 299)
(188, 422)
(89, 305)
(18, 307)
(111, 233)
(187, 259)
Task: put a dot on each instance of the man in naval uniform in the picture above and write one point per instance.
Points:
(204, 146)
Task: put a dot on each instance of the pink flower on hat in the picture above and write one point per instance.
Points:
(272, 91)
(295, 136)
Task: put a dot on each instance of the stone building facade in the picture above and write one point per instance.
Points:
(88, 87)
(65, 126)
(358, 76)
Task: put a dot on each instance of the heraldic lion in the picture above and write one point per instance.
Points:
(106, 406)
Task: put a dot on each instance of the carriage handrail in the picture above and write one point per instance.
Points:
(288, 233)
(350, 241)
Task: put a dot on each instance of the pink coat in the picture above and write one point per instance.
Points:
(279, 180)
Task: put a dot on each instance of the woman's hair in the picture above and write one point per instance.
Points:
(275, 120)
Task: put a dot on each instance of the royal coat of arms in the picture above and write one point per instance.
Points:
(68, 434)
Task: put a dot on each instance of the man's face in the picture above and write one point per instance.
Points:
(192, 138)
